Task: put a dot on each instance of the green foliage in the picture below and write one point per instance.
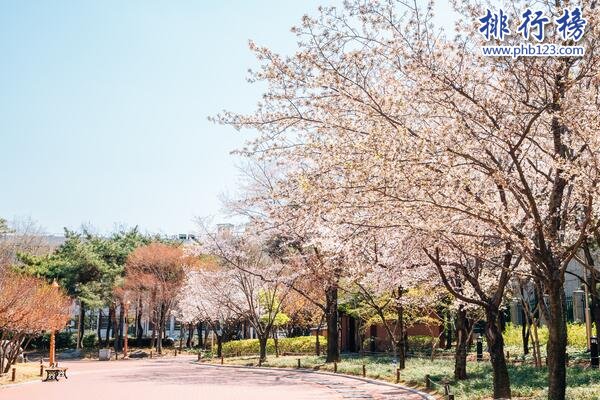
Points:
(90, 340)
(420, 342)
(86, 266)
(295, 345)
(4, 226)
(271, 303)
(526, 381)
(576, 336)
(64, 340)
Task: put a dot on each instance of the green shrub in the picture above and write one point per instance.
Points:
(576, 336)
(420, 342)
(64, 340)
(89, 340)
(295, 345)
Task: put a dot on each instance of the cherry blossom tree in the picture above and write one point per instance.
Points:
(380, 120)
(251, 284)
(209, 296)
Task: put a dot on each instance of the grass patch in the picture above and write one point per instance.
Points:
(24, 372)
(527, 381)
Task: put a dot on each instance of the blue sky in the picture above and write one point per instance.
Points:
(104, 105)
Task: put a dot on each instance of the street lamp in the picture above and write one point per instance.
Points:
(479, 348)
(126, 336)
(52, 355)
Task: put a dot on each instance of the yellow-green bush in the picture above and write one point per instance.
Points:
(576, 336)
(295, 345)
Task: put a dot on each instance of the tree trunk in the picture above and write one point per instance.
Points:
(206, 336)
(121, 326)
(99, 329)
(493, 334)
(161, 328)
(188, 342)
(80, 325)
(140, 327)
(276, 342)
(448, 332)
(154, 327)
(595, 302)
(111, 312)
(525, 333)
(400, 345)
(592, 283)
(219, 345)
(262, 342)
(462, 336)
(199, 329)
(595, 297)
(181, 335)
(333, 348)
(318, 340)
(556, 347)
(115, 332)
(535, 341)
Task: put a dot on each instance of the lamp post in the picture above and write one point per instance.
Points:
(126, 335)
(52, 349)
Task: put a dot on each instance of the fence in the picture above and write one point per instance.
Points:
(440, 386)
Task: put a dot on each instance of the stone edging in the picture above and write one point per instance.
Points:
(426, 396)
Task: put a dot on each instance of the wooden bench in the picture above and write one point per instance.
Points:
(53, 373)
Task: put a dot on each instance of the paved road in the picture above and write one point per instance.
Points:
(181, 379)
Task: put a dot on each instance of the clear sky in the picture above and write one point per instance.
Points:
(104, 105)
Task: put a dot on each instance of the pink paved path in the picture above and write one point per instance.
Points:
(182, 379)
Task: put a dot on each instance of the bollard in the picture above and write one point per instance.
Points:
(175, 352)
(221, 359)
(594, 360)
(447, 392)
(198, 356)
(150, 353)
(364, 370)
(335, 367)
(427, 382)
(41, 370)
(14, 373)
(298, 363)
(397, 375)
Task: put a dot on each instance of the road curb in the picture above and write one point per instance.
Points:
(424, 395)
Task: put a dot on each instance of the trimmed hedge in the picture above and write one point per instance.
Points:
(294, 345)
